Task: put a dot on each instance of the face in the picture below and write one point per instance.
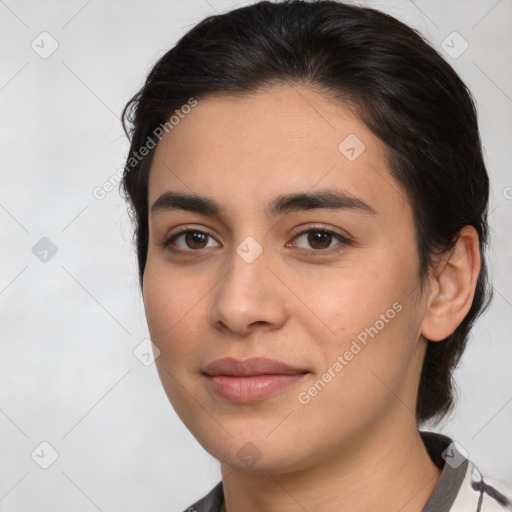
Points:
(301, 250)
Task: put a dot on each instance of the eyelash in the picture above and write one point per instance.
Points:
(343, 241)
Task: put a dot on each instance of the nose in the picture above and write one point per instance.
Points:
(249, 296)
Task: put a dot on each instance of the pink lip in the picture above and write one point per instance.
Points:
(252, 379)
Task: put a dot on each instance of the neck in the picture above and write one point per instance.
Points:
(388, 469)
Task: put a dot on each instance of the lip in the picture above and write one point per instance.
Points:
(250, 367)
(251, 379)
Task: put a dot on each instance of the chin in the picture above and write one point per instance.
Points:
(244, 452)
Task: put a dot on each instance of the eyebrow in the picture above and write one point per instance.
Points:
(322, 199)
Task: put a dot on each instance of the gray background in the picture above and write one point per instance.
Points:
(71, 322)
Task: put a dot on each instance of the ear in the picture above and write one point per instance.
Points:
(452, 287)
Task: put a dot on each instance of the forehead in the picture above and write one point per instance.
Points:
(242, 150)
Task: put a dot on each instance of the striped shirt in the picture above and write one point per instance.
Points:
(461, 487)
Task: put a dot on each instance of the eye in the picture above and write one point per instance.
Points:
(191, 240)
(316, 239)
(320, 239)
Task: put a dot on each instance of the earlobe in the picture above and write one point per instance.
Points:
(453, 287)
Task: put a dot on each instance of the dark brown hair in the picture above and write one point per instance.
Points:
(400, 86)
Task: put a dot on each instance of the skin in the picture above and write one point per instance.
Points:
(355, 445)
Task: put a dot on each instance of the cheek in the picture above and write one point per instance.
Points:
(171, 303)
(355, 299)
(369, 319)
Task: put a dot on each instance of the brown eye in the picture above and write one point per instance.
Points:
(195, 240)
(188, 241)
(320, 240)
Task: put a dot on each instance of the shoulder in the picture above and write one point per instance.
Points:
(462, 487)
(483, 494)
(211, 502)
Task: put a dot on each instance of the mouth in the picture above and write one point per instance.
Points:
(252, 379)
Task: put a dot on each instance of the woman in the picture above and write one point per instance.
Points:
(310, 205)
